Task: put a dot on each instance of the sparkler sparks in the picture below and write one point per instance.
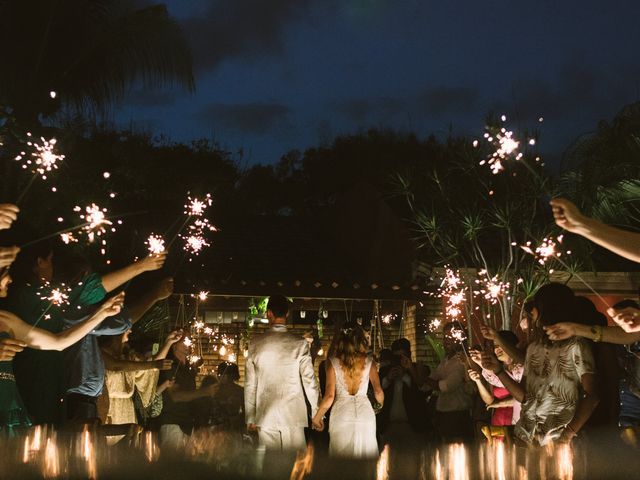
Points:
(504, 144)
(155, 244)
(56, 296)
(202, 296)
(545, 251)
(43, 159)
(196, 207)
(491, 288)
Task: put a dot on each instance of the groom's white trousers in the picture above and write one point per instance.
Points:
(282, 439)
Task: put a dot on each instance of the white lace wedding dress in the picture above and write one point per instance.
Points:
(352, 425)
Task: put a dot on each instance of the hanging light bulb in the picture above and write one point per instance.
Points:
(325, 314)
(245, 354)
(303, 313)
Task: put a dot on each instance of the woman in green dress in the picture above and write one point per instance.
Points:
(12, 412)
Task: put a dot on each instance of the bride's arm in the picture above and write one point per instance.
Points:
(375, 383)
(327, 399)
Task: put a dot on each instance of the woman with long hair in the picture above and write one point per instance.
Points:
(352, 427)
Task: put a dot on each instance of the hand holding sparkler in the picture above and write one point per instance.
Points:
(476, 356)
(9, 347)
(8, 255)
(489, 361)
(567, 215)
(110, 307)
(560, 331)
(174, 337)
(152, 262)
(8, 215)
(489, 333)
(626, 318)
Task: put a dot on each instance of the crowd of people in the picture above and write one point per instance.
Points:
(570, 375)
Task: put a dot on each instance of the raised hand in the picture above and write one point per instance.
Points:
(567, 215)
(174, 337)
(8, 215)
(112, 306)
(489, 333)
(155, 261)
(476, 356)
(9, 347)
(626, 318)
(490, 362)
(560, 331)
(473, 375)
(8, 255)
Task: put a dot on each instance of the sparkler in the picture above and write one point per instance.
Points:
(460, 337)
(57, 297)
(491, 288)
(547, 251)
(41, 161)
(155, 244)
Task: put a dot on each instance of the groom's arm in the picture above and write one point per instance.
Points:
(309, 380)
(250, 389)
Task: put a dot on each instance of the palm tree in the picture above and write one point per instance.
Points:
(90, 52)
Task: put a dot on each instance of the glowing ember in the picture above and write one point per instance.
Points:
(155, 244)
(89, 455)
(193, 359)
(43, 159)
(458, 469)
(187, 342)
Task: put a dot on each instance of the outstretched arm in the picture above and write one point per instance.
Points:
(374, 378)
(172, 338)
(514, 352)
(163, 290)
(40, 339)
(115, 279)
(123, 365)
(622, 242)
(564, 330)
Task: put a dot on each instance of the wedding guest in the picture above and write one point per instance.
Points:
(127, 373)
(177, 419)
(230, 397)
(455, 390)
(558, 390)
(506, 410)
(403, 416)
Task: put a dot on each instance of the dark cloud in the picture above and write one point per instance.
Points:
(254, 118)
(241, 27)
(150, 98)
(443, 100)
(579, 89)
(438, 102)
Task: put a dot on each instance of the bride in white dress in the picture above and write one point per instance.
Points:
(352, 426)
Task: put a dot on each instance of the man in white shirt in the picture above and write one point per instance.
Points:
(279, 373)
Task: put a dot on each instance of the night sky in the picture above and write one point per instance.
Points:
(274, 75)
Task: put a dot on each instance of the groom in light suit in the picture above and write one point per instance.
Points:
(278, 374)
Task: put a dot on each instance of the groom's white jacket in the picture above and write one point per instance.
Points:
(278, 374)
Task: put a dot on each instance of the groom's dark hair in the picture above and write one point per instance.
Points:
(279, 306)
